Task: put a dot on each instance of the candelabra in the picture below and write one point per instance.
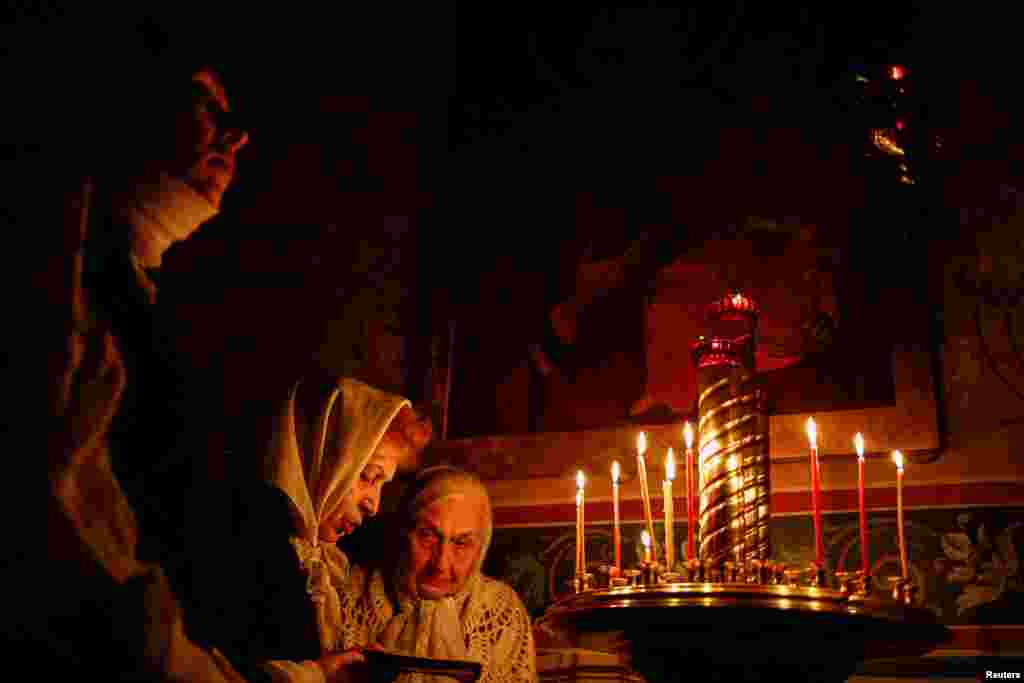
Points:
(787, 620)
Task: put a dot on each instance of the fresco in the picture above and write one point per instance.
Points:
(967, 561)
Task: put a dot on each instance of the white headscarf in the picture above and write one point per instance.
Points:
(315, 459)
(435, 628)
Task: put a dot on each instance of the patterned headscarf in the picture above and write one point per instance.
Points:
(325, 435)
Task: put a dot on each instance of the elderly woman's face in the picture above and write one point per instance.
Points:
(206, 144)
(445, 545)
(363, 500)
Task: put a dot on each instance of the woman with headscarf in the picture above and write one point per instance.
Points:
(334, 444)
(429, 598)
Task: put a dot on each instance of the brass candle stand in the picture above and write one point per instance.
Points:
(771, 614)
(732, 613)
(855, 584)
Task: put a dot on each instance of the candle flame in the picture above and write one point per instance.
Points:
(645, 538)
(737, 299)
(579, 497)
(641, 444)
(670, 466)
(615, 471)
(812, 432)
(688, 434)
(580, 480)
(897, 458)
(858, 443)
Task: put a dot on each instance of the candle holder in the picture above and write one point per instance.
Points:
(649, 572)
(792, 577)
(583, 582)
(864, 584)
(847, 582)
(672, 577)
(903, 590)
(695, 571)
(619, 582)
(632, 576)
(819, 577)
(732, 445)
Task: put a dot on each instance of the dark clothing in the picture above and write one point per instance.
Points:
(79, 603)
(250, 600)
(156, 436)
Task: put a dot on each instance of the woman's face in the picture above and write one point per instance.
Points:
(444, 546)
(363, 500)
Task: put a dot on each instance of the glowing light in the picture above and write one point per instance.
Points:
(812, 432)
(897, 72)
(897, 458)
(641, 444)
(615, 472)
(899, 124)
(688, 434)
(858, 443)
(710, 449)
(580, 479)
(645, 538)
(884, 141)
(670, 466)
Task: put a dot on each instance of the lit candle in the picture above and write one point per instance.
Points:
(819, 546)
(641, 469)
(691, 503)
(897, 457)
(858, 442)
(579, 508)
(645, 538)
(616, 533)
(581, 562)
(670, 474)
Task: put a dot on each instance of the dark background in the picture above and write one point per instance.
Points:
(475, 150)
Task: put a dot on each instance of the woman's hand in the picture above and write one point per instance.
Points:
(344, 667)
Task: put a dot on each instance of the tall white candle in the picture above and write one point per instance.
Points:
(858, 443)
(897, 457)
(670, 474)
(641, 468)
(616, 531)
(581, 503)
(819, 545)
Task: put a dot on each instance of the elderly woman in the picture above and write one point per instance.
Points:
(275, 610)
(429, 598)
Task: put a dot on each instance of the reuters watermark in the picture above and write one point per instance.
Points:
(1000, 675)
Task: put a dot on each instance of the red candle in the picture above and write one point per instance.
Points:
(819, 546)
(691, 505)
(858, 442)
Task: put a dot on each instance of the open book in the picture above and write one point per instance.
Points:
(386, 666)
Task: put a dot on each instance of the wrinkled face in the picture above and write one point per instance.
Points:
(206, 141)
(445, 545)
(363, 500)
